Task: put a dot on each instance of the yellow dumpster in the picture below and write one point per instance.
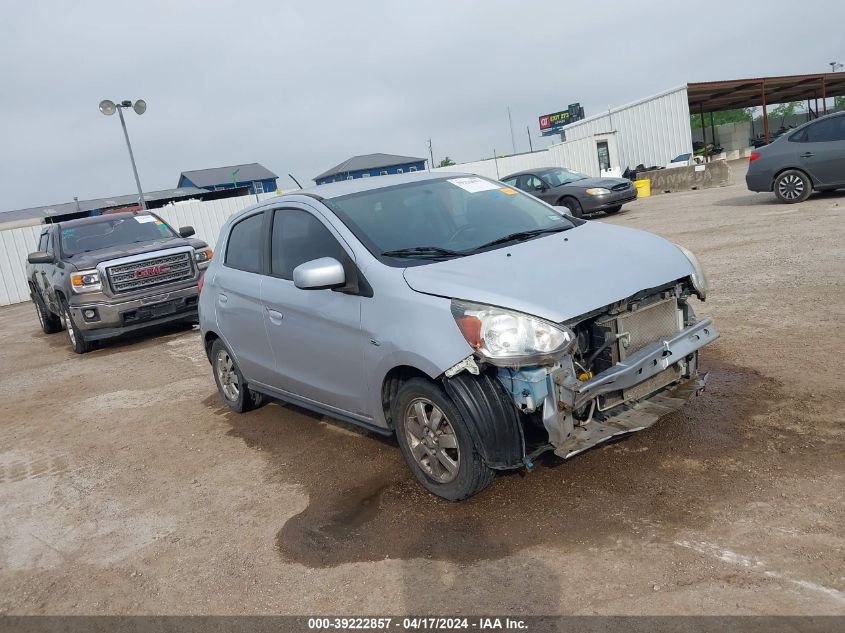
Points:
(643, 188)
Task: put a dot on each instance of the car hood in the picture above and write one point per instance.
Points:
(607, 183)
(560, 276)
(90, 260)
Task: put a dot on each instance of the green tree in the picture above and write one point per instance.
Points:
(784, 110)
(446, 162)
(839, 102)
(720, 118)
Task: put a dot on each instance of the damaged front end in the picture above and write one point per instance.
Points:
(613, 371)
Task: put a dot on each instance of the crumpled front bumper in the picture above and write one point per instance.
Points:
(569, 436)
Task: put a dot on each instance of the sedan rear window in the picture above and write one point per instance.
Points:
(111, 232)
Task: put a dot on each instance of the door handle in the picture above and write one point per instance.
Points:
(806, 154)
(222, 299)
(275, 316)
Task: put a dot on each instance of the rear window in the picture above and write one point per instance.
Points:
(243, 250)
(111, 232)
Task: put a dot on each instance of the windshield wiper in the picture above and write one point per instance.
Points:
(423, 251)
(523, 235)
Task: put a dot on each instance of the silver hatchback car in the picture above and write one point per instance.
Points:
(462, 315)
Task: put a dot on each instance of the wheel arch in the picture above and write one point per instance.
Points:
(786, 169)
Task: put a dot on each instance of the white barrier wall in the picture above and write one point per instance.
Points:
(15, 245)
(206, 217)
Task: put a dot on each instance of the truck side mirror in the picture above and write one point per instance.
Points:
(186, 231)
(40, 257)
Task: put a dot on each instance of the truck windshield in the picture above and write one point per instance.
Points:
(110, 232)
(443, 218)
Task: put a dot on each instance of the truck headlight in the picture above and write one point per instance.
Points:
(85, 281)
(203, 255)
(598, 191)
(509, 339)
(699, 280)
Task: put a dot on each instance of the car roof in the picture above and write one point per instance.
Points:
(538, 170)
(94, 219)
(358, 185)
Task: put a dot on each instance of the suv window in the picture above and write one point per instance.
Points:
(299, 237)
(243, 250)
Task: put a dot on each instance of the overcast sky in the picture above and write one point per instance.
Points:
(299, 87)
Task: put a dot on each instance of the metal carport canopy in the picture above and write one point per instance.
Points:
(713, 96)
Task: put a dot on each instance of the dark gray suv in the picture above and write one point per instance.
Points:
(810, 158)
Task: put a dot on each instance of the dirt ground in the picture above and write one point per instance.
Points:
(126, 486)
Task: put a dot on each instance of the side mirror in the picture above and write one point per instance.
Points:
(317, 274)
(186, 231)
(540, 188)
(40, 257)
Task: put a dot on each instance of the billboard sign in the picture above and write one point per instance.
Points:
(555, 122)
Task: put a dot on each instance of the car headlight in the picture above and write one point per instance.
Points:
(699, 280)
(598, 191)
(508, 339)
(203, 254)
(85, 281)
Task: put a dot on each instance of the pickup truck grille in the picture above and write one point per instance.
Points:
(150, 272)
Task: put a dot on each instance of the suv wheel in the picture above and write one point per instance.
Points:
(74, 334)
(436, 443)
(230, 381)
(50, 323)
(793, 186)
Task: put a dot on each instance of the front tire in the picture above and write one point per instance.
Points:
(50, 323)
(436, 442)
(613, 210)
(574, 207)
(792, 186)
(230, 381)
(74, 335)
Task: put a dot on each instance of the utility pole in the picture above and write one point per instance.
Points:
(510, 123)
(528, 131)
(132, 160)
(430, 153)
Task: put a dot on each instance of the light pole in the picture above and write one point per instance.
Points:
(108, 108)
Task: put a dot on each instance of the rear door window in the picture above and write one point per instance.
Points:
(243, 249)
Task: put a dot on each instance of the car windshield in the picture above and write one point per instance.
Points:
(444, 218)
(110, 232)
(557, 177)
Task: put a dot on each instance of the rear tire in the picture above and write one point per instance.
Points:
(50, 323)
(74, 335)
(573, 206)
(230, 381)
(792, 186)
(436, 442)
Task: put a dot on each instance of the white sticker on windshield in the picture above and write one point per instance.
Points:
(143, 219)
(473, 184)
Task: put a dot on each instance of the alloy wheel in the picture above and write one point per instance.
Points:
(68, 325)
(228, 377)
(791, 187)
(432, 440)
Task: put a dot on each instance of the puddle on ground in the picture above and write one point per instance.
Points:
(364, 505)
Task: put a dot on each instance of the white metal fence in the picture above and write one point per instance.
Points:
(205, 216)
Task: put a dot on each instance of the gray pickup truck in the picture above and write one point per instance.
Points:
(103, 276)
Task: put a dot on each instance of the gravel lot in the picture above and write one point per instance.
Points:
(127, 487)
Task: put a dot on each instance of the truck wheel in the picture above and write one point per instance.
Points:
(230, 381)
(50, 323)
(573, 205)
(793, 186)
(436, 443)
(74, 334)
